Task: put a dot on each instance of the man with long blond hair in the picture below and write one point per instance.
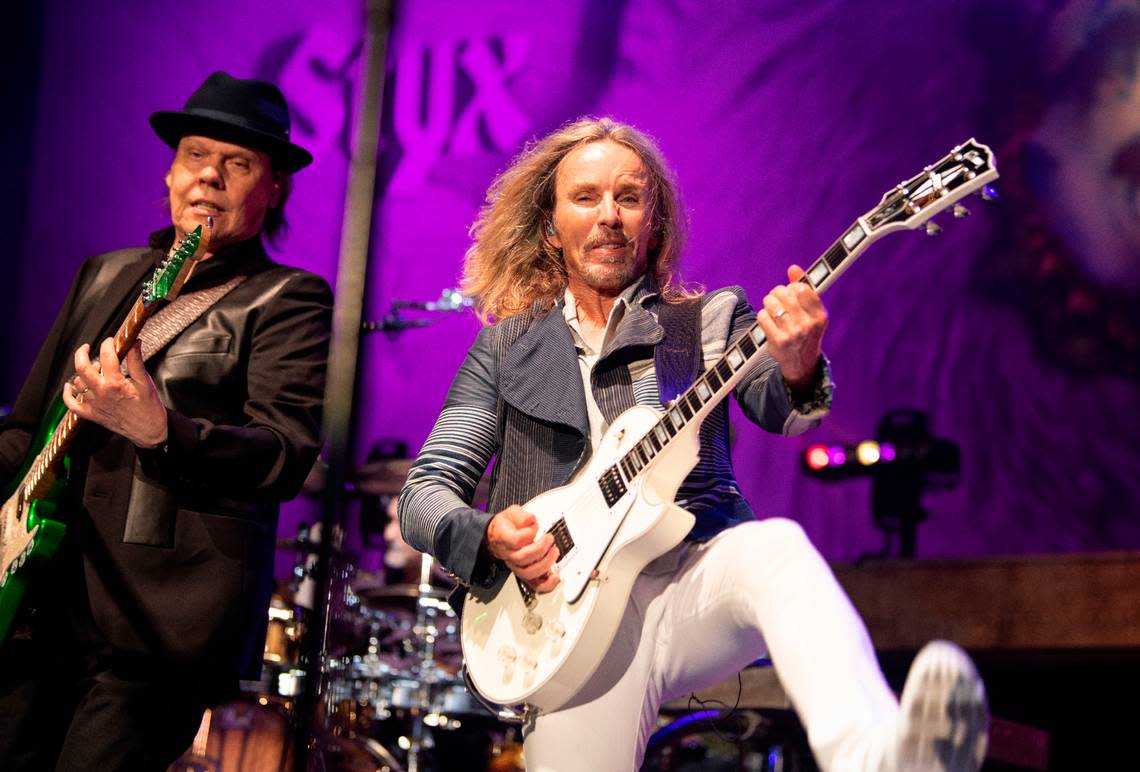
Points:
(573, 261)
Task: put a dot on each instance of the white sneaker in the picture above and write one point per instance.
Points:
(943, 720)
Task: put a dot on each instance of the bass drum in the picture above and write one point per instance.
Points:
(248, 735)
(253, 735)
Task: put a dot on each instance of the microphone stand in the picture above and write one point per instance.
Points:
(449, 300)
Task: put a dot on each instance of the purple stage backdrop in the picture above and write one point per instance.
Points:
(1016, 330)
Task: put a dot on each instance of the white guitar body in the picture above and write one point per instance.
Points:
(509, 657)
(617, 515)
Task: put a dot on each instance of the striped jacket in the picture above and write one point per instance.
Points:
(519, 396)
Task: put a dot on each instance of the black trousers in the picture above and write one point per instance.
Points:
(68, 701)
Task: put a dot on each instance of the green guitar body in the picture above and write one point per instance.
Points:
(37, 513)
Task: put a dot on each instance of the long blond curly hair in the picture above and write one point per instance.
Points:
(510, 265)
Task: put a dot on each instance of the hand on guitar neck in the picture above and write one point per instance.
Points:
(126, 403)
(793, 319)
(510, 537)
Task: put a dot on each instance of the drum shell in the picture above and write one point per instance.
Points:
(246, 735)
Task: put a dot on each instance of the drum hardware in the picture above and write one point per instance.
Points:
(402, 688)
(390, 687)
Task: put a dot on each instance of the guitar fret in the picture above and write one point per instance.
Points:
(747, 346)
(835, 256)
(686, 411)
(853, 236)
(675, 421)
(626, 468)
(818, 273)
(723, 370)
(714, 380)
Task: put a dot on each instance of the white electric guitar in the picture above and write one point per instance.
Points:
(618, 513)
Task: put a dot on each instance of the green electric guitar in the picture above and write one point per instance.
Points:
(29, 535)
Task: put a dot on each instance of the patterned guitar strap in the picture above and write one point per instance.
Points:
(151, 509)
(173, 318)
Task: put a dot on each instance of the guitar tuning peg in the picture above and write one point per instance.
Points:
(961, 211)
(989, 193)
(933, 229)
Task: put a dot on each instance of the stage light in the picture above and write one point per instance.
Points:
(816, 457)
(903, 461)
(838, 461)
(867, 452)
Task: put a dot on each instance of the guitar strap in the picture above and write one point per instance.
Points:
(151, 508)
(165, 324)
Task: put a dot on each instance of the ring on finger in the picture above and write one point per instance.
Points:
(779, 313)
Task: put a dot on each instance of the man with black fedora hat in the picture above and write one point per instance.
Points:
(155, 604)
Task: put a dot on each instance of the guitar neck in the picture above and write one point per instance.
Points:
(691, 407)
(44, 469)
(907, 206)
(166, 282)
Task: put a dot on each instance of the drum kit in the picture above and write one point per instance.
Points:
(392, 694)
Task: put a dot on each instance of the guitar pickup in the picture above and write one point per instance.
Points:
(562, 538)
(613, 487)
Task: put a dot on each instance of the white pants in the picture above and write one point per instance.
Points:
(699, 614)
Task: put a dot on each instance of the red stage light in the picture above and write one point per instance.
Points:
(817, 457)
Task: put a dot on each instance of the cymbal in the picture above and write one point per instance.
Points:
(382, 592)
(387, 477)
(307, 545)
(382, 478)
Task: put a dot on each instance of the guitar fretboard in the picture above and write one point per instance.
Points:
(909, 204)
(166, 280)
(42, 472)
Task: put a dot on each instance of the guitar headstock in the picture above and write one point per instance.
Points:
(170, 274)
(966, 169)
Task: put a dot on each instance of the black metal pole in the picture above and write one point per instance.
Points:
(352, 269)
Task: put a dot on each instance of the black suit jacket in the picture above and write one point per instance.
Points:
(177, 543)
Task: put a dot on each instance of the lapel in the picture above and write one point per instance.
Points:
(540, 374)
(113, 292)
(637, 329)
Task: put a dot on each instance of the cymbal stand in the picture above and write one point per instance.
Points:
(425, 635)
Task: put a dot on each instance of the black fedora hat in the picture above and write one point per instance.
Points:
(246, 112)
